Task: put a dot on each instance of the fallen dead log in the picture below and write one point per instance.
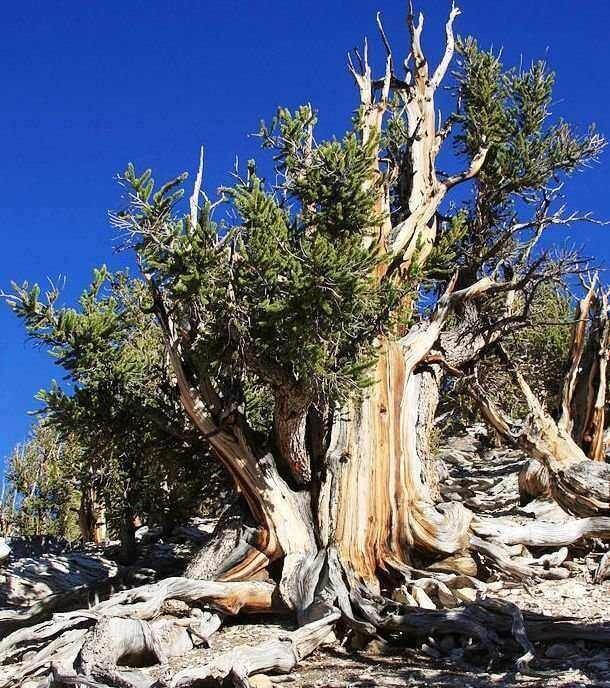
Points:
(35, 588)
(145, 601)
(583, 488)
(12, 619)
(29, 580)
(500, 558)
(543, 534)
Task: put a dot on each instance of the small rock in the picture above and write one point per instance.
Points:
(376, 647)
(260, 681)
(465, 594)
(403, 596)
(446, 598)
(457, 563)
(430, 651)
(574, 591)
(330, 640)
(422, 599)
(559, 651)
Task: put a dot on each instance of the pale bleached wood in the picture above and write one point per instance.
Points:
(543, 534)
(566, 419)
(277, 656)
(227, 597)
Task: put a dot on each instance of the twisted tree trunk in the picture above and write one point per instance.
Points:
(377, 499)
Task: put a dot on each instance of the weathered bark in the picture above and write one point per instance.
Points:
(290, 424)
(534, 482)
(228, 545)
(428, 380)
(146, 601)
(375, 504)
(593, 401)
(125, 642)
(543, 534)
(284, 515)
(376, 498)
(92, 516)
(577, 349)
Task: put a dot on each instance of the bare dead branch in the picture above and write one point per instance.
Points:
(441, 70)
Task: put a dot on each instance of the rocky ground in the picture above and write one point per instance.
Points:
(486, 481)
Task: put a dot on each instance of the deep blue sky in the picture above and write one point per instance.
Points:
(88, 86)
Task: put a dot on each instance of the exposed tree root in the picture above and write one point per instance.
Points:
(12, 619)
(277, 656)
(109, 644)
(63, 636)
(127, 642)
(543, 534)
(57, 643)
(146, 601)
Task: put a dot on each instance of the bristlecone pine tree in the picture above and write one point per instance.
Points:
(309, 333)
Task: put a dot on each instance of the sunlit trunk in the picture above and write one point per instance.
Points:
(377, 502)
(92, 517)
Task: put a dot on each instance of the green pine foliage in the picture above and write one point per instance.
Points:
(509, 111)
(42, 486)
(280, 290)
(117, 401)
(285, 294)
